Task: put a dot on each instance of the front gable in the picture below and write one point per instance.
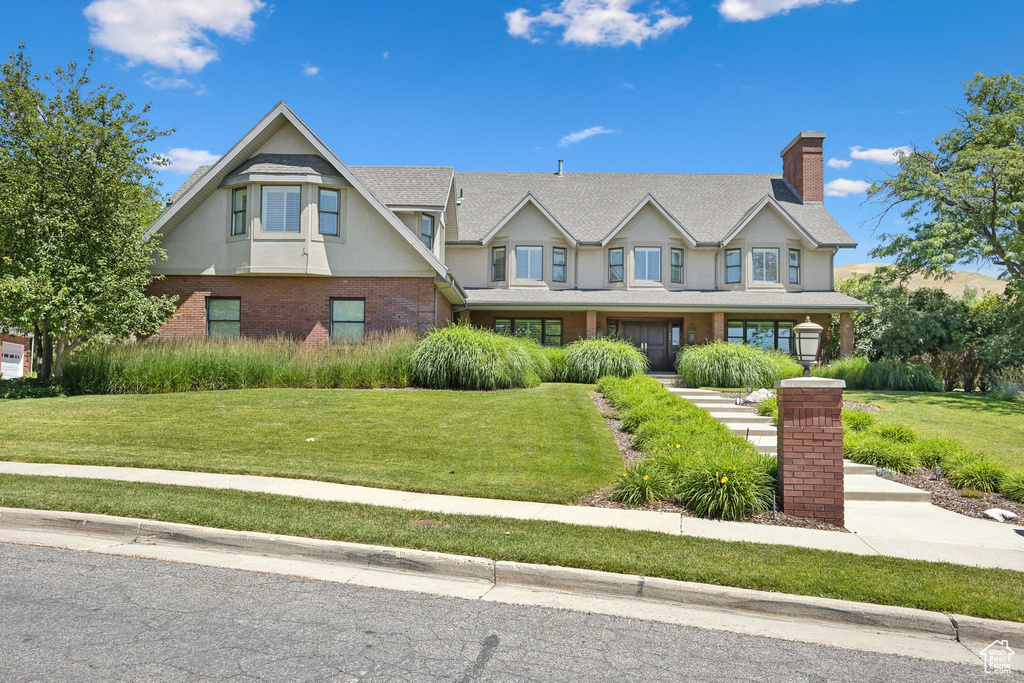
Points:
(769, 221)
(529, 220)
(649, 220)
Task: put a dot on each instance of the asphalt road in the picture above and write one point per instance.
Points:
(69, 615)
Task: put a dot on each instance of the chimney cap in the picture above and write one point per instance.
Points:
(805, 135)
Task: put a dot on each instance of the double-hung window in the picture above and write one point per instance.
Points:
(558, 264)
(328, 212)
(765, 334)
(794, 266)
(733, 269)
(766, 265)
(238, 203)
(647, 264)
(529, 263)
(223, 316)
(615, 265)
(427, 230)
(498, 264)
(348, 319)
(677, 266)
(281, 208)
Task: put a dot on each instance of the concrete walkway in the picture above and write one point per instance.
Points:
(907, 530)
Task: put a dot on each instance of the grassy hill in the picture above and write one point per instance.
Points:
(955, 285)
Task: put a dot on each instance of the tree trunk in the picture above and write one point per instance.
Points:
(45, 352)
(63, 349)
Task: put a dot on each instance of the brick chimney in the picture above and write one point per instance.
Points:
(803, 167)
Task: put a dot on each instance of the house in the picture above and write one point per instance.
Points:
(280, 237)
(15, 354)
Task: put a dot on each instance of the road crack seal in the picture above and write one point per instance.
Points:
(486, 651)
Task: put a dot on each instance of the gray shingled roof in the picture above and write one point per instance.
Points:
(651, 298)
(189, 182)
(286, 164)
(590, 205)
(407, 185)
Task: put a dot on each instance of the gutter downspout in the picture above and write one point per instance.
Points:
(832, 269)
(717, 255)
(448, 285)
(576, 267)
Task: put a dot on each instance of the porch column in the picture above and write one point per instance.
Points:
(591, 324)
(718, 325)
(464, 315)
(845, 334)
(810, 448)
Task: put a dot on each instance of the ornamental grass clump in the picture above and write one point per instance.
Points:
(722, 364)
(975, 471)
(932, 452)
(871, 449)
(857, 420)
(898, 433)
(588, 360)
(769, 408)
(1013, 486)
(728, 484)
(640, 484)
(882, 375)
(467, 357)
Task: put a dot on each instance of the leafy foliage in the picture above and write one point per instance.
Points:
(26, 387)
(857, 420)
(963, 200)
(727, 484)
(871, 449)
(861, 373)
(722, 364)
(1013, 487)
(932, 452)
(896, 432)
(640, 484)
(769, 408)
(76, 195)
(588, 360)
(976, 471)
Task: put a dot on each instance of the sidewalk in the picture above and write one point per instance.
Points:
(913, 531)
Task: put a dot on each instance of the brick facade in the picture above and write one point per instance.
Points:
(810, 448)
(24, 342)
(803, 166)
(299, 307)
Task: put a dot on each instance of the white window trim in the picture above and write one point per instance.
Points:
(636, 270)
(264, 192)
(531, 247)
(778, 265)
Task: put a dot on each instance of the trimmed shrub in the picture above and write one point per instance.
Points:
(883, 375)
(871, 449)
(726, 485)
(640, 484)
(897, 433)
(769, 408)
(160, 366)
(467, 357)
(1013, 487)
(975, 471)
(588, 360)
(932, 452)
(857, 420)
(723, 364)
(29, 387)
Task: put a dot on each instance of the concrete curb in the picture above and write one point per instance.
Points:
(518, 574)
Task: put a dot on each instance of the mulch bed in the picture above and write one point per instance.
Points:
(625, 443)
(945, 496)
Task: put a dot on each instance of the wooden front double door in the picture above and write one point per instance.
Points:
(658, 339)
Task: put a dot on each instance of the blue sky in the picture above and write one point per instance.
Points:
(608, 85)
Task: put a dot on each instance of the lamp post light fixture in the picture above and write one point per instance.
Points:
(807, 337)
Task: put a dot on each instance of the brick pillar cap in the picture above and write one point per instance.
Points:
(810, 383)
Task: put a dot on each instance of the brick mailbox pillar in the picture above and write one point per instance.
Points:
(810, 448)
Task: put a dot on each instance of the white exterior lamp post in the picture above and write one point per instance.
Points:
(807, 337)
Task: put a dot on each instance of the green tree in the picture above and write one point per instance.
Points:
(964, 201)
(76, 195)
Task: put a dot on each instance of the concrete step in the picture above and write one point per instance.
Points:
(851, 467)
(686, 392)
(723, 407)
(738, 418)
(753, 429)
(764, 444)
(860, 487)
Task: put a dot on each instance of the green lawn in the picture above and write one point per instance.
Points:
(984, 424)
(882, 580)
(547, 444)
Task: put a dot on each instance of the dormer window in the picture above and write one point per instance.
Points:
(427, 230)
(766, 265)
(328, 212)
(281, 208)
(529, 263)
(647, 264)
(238, 211)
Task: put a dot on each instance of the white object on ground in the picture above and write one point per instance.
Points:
(760, 396)
(999, 514)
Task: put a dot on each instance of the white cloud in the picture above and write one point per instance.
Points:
(184, 160)
(385, 54)
(839, 163)
(755, 10)
(841, 187)
(579, 135)
(888, 155)
(602, 23)
(158, 82)
(170, 34)
(310, 70)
